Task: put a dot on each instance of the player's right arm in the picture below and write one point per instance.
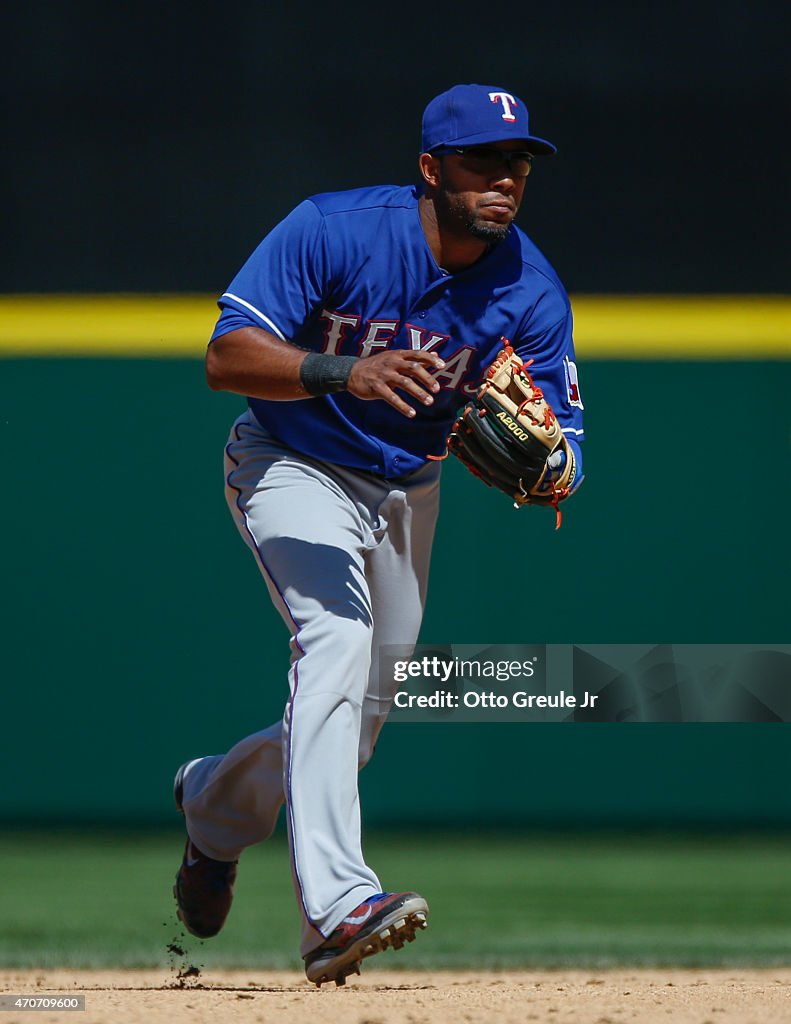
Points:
(270, 300)
(253, 362)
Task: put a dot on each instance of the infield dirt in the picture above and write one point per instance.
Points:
(384, 997)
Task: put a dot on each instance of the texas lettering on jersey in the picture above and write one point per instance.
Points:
(379, 335)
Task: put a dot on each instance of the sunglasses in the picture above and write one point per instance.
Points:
(487, 160)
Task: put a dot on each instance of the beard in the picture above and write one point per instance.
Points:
(455, 216)
(486, 231)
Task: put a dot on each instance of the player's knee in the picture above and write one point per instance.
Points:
(369, 734)
(364, 755)
(338, 653)
(344, 639)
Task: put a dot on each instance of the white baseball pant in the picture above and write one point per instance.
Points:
(345, 557)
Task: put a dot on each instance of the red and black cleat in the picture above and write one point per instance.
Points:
(204, 887)
(385, 920)
(203, 891)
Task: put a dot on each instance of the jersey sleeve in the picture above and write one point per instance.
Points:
(283, 282)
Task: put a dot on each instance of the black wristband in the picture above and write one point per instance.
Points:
(323, 375)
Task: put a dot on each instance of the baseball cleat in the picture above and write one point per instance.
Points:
(385, 920)
(204, 887)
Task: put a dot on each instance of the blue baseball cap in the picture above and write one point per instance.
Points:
(471, 115)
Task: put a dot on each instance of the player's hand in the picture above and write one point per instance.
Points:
(379, 376)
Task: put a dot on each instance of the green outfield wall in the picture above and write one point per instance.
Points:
(137, 633)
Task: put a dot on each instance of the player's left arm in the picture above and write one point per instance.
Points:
(554, 369)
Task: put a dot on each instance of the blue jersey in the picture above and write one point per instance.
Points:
(351, 273)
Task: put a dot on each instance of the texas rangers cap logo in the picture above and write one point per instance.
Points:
(472, 115)
(508, 103)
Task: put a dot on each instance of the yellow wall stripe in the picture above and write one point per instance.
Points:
(106, 325)
(618, 327)
(683, 327)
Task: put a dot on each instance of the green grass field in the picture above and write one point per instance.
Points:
(103, 900)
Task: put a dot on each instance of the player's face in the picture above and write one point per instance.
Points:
(478, 194)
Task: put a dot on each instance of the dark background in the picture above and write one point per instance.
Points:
(150, 146)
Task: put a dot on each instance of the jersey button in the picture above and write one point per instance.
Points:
(422, 314)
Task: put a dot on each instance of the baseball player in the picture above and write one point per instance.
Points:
(356, 330)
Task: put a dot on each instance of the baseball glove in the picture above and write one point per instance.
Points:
(508, 436)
